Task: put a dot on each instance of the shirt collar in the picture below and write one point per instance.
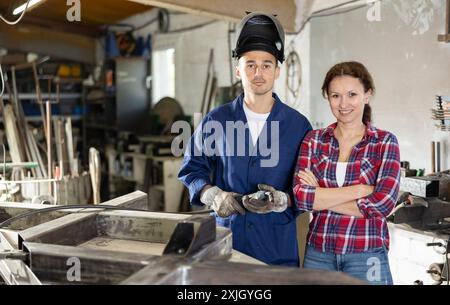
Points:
(371, 131)
(277, 112)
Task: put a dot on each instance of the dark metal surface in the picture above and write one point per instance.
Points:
(60, 227)
(218, 250)
(196, 251)
(190, 235)
(71, 230)
(52, 244)
(155, 272)
(11, 209)
(431, 186)
(141, 226)
(429, 217)
(132, 94)
(228, 273)
(425, 204)
(181, 239)
(52, 264)
(408, 214)
(434, 216)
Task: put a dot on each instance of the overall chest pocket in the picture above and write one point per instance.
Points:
(318, 165)
(369, 171)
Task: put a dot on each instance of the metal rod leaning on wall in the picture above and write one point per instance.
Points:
(438, 156)
(208, 85)
(49, 143)
(95, 172)
(26, 138)
(29, 140)
(15, 111)
(39, 95)
(446, 36)
(433, 157)
(20, 119)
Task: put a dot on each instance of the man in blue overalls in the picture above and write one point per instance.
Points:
(241, 159)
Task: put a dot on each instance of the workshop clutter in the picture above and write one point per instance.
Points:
(124, 43)
(41, 154)
(68, 190)
(65, 70)
(441, 113)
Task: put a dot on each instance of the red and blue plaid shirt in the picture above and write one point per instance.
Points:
(374, 161)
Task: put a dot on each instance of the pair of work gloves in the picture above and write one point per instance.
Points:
(266, 200)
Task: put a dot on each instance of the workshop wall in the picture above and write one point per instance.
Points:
(192, 48)
(401, 51)
(301, 102)
(410, 67)
(192, 51)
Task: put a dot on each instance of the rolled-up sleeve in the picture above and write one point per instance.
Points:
(197, 166)
(382, 201)
(304, 195)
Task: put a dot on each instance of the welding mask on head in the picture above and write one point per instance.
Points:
(260, 32)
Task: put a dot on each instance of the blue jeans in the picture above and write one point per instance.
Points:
(371, 266)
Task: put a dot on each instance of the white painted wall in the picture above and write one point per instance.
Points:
(407, 62)
(301, 44)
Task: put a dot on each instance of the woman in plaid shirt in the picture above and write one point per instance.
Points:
(348, 176)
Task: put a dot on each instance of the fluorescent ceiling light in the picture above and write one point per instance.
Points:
(21, 8)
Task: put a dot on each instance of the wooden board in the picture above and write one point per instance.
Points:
(12, 135)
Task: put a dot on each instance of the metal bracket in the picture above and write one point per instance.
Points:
(190, 235)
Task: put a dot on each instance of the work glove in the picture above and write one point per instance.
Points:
(266, 200)
(223, 203)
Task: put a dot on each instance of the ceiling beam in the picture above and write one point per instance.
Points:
(68, 27)
(27, 38)
(231, 10)
(319, 5)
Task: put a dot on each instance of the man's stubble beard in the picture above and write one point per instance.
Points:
(257, 91)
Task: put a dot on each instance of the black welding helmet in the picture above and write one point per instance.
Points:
(260, 31)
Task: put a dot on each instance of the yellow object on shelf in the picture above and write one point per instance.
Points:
(69, 71)
(76, 71)
(64, 71)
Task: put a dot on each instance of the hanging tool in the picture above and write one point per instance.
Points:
(70, 150)
(94, 170)
(293, 74)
